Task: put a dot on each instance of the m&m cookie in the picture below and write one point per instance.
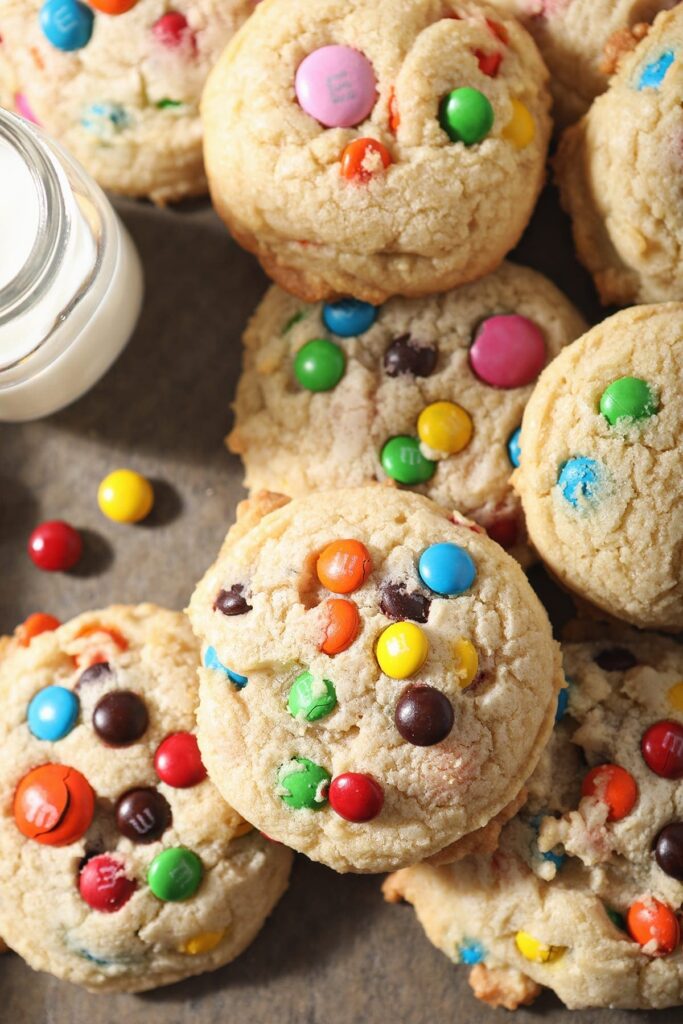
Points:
(118, 83)
(385, 686)
(601, 475)
(372, 150)
(121, 867)
(426, 394)
(584, 893)
(577, 39)
(619, 171)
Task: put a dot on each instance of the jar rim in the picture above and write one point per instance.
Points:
(42, 263)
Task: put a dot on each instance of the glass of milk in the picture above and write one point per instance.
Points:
(70, 278)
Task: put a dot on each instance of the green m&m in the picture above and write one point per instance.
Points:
(310, 698)
(628, 398)
(175, 874)
(403, 461)
(302, 783)
(466, 115)
(319, 365)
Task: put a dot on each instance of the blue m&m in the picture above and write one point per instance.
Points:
(514, 447)
(579, 480)
(349, 317)
(211, 660)
(67, 24)
(653, 74)
(471, 951)
(562, 701)
(447, 569)
(52, 713)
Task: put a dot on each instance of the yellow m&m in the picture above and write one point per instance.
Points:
(125, 496)
(675, 696)
(520, 129)
(538, 952)
(204, 942)
(445, 427)
(466, 661)
(401, 650)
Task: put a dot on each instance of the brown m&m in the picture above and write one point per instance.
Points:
(143, 815)
(120, 718)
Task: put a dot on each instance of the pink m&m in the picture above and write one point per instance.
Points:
(336, 85)
(508, 351)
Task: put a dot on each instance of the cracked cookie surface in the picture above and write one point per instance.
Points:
(379, 149)
(121, 867)
(583, 893)
(353, 710)
(602, 464)
(124, 97)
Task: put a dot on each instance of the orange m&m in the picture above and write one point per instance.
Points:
(651, 923)
(113, 6)
(93, 655)
(34, 625)
(363, 158)
(341, 622)
(54, 804)
(614, 786)
(343, 566)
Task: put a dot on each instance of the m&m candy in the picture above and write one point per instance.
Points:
(349, 317)
(172, 30)
(535, 950)
(407, 356)
(34, 625)
(654, 926)
(514, 447)
(343, 566)
(662, 749)
(52, 713)
(319, 365)
(120, 718)
(508, 351)
(627, 399)
(669, 850)
(303, 784)
(356, 797)
(363, 159)
(211, 660)
(232, 601)
(54, 804)
(142, 815)
(465, 662)
(103, 884)
(201, 943)
(466, 115)
(341, 625)
(616, 659)
(403, 461)
(55, 546)
(521, 128)
(445, 427)
(311, 699)
(447, 569)
(401, 650)
(614, 786)
(175, 874)
(424, 716)
(397, 602)
(654, 73)
(67, 24)
(336, 85)
(125, 496)
(177, 761)
(579, 481)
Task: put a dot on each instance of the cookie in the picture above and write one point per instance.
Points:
(121, 868)
(618, 171)
(379, 680)
(572, 36)
(379, 149)
(118, 83)
(601, 472)
(583, 894)
(425, 393)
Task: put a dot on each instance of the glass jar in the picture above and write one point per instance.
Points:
(70, 277)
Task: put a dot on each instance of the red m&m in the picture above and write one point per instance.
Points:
(178, 761)
(55, 546)
(103, 884)
(172, 30)
(614, 786)
(662, 749)
(653, 925)
(355, 796)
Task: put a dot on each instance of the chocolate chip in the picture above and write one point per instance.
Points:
(669, 850)
(232, 601)
(143, 815)
(615, 659)
(397, 603)
(406, 356)
(120, 718)
(424, 716)
(93, 674)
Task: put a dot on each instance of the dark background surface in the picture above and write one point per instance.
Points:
(332, 952)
